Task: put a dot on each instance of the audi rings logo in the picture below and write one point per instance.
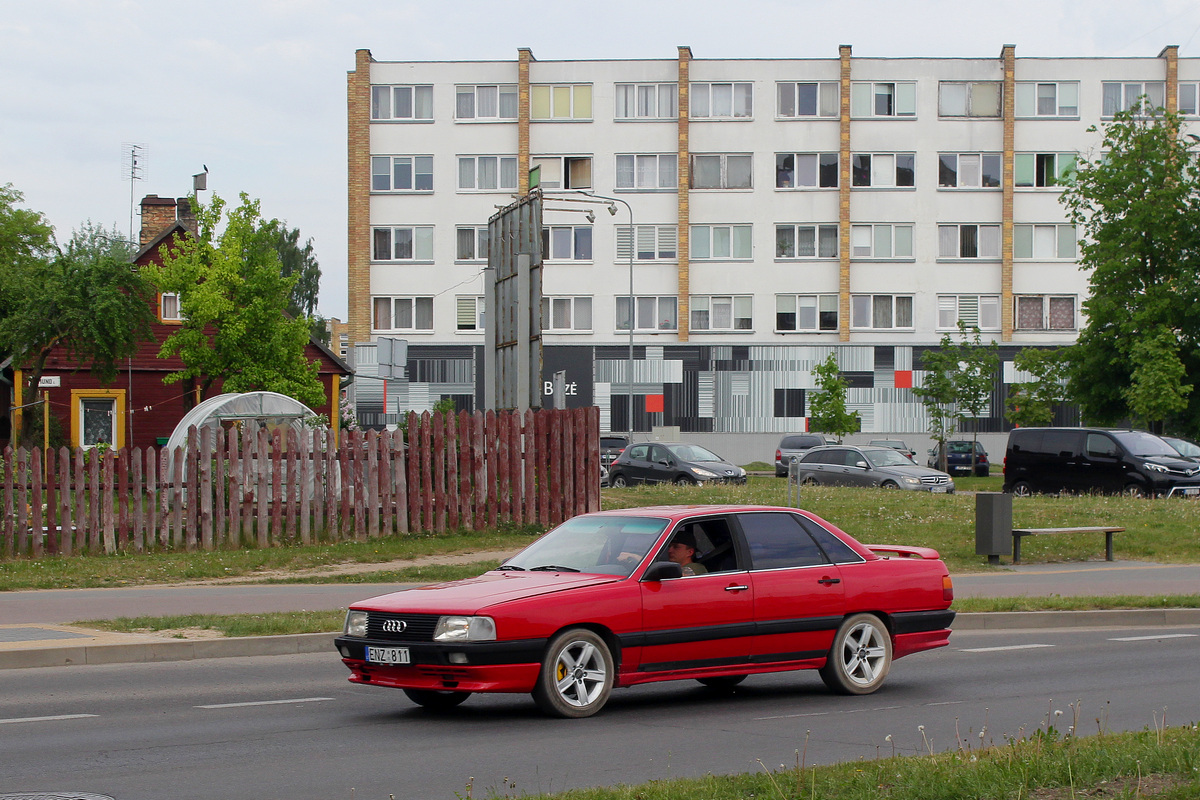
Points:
(394, 625)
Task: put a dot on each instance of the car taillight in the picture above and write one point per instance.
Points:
(947, 588)
(778, 455)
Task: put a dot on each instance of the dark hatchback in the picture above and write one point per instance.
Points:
(958, 458)
(611, 446)
(671, 462)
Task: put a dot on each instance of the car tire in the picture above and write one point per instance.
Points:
(810, 481)
(684, 480)
(617, 481)
(1134, 490)
(860, 657)
(577, 675)
(1022, 489)
(889, 485)
(723, 682)
(436, 700)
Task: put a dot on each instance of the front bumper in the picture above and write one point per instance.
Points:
(476, 667)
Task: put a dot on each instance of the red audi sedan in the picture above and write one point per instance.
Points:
(615, 598)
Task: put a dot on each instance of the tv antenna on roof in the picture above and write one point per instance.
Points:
(133, 168)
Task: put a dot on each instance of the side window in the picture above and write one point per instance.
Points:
(776, 541)
(841, 457)
(714, 544)
(1100, 446)
(640, 452)
(658, 454)
(1063, 444)
(838, 551)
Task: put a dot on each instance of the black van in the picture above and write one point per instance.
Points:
(1096, 460)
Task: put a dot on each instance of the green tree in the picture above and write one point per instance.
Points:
(827, 406)
(1137, 205)
(975, 379)
(233, 296)
(1032, 402)
(26, 242)
(939, 393)
(1157, 389)
(88, 301)
(300, 262)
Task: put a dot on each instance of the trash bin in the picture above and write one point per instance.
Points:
(993, 525)
(161, 441)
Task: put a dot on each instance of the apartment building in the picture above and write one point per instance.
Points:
(767, 212)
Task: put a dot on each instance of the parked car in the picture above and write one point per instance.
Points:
(611, 446)
(595, 604)
(844, 465)
(1096, 460)
(795, 445)
(895, 444)
(671, 462)
(603, 477)
(958, 458)
(1185, 447)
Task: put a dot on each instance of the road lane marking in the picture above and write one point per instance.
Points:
(1009, 647)
(45, 719)
(267, 702)
(1149, 638)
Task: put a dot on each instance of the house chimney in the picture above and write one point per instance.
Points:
(186, 216)
(158, 214)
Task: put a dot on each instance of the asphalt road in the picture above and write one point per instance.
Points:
(292, 727)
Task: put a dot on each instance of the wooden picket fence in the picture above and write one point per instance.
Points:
(258, 489)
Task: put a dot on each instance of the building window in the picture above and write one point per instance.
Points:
(487, 173)
(722, 171)
(806, 100)
(881, 241)
(649, 171)
(403, 244)
(980, 99)
(883, 100)
(721, 313)
(472, 243)
(806, 312)
(567, 242)
(1043, 170)
(1044, 242)
(491, 102)
(560, 101)
(564, 172)
(722, 100)
(806, 170)
(401, 102)
(99, 424)
(1124, 96)
(806, 241)
(401, 173)
(968, 241)
(652, 313)
(168, 307)
(721, 242)
(567, 314)
(969, 170)
(653, 243)
(1189, 97)
(887, 170)
(881, 311)
(972, 310)
(1060, 99)
(647, 101)
(469, 314)
(1045, 313)
(403, 314)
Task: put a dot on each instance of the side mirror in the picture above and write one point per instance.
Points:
(662, 570)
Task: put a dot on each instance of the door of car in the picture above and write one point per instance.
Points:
(1057, 464)
(1102, 466)
(637, 466)
(858, 470)
(842, 469)
(661, 467)
(699, 620)
(799, 599)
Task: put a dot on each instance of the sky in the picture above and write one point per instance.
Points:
(255, 90)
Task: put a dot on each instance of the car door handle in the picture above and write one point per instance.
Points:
(736, 588)
(829, 581)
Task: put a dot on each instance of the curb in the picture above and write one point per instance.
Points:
(252, 646)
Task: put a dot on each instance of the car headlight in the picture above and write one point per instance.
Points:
(703, 473)
(356, 624)
(911, 481)
(465, 629)
(1155, 467)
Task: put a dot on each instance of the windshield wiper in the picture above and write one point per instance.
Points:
(552, 568)
(504, 567)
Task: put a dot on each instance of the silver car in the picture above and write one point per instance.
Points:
(843, 465)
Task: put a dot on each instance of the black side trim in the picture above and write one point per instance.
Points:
(683, 635)
(671, 666)
(920, 621)
(803, 625)
(805, 655)
(525, 651)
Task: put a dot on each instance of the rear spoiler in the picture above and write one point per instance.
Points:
(888, 550)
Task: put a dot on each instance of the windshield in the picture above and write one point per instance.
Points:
(887, 458)
(1144, 444)
(692, 452)
(609, 545)
(1183, 446)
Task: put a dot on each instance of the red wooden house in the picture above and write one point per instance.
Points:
(138, 409)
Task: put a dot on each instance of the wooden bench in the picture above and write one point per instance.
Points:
(1108, 531)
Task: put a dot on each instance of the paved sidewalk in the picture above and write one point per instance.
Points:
(36, 630)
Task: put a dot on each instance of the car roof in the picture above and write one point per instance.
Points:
(681, 512)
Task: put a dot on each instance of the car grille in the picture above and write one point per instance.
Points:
(401, 627)
(935, 480)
